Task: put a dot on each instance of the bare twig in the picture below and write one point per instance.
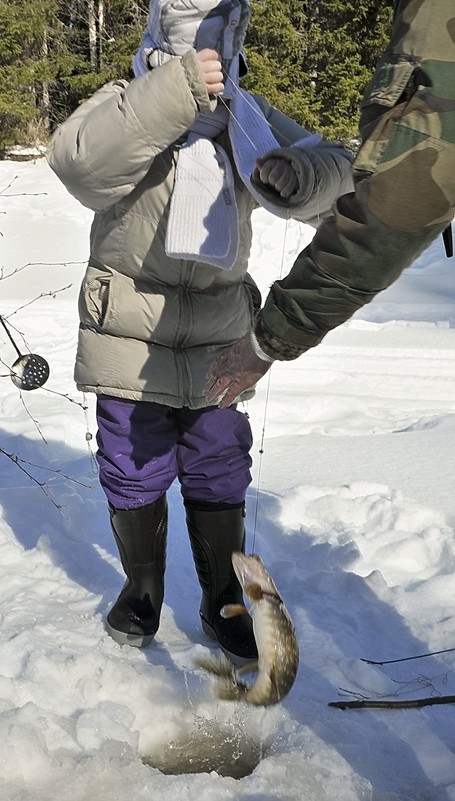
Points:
(4, 276)
(35, 422)
(8, 185)
(50, 294)
(22, 194)
(17, 460)
(4, 193)
(393, 701)
(41, 484)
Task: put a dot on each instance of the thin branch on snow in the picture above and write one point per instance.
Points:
(8, 185)
(19, 462)
(29, 414)
(394, 700)
(23, 194)
(41, 484)
(50, 294)
(4, 276)
(3, 192)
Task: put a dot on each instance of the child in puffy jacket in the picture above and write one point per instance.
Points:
(173, 165)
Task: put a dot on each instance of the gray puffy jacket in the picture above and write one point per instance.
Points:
(151, 325)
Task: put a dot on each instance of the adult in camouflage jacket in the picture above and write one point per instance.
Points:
(404, 197)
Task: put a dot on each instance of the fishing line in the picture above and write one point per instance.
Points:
(227, 106)
(268, 383)
(89, 437)
(266, 408)
(254, 110)
(269, 377)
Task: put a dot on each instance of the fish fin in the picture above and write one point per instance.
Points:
(221, 666)
(232, 610)
(254, 591)
(227, 688)
(230, 690)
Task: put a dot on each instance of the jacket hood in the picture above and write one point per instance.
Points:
(176, 26)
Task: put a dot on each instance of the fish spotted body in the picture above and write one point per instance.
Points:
(275, 636)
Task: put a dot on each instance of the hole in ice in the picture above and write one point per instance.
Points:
(227, 750)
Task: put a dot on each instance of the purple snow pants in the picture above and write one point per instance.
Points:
(143, 447)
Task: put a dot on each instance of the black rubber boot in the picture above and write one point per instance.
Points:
(140, 535)
(216, 530)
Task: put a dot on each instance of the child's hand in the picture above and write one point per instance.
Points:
(212, 70)
(279, 174)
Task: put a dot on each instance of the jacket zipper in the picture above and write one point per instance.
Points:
(183, 333)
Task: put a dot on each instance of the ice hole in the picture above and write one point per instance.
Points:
(208, 747)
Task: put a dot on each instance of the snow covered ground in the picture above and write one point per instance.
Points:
(352, 508)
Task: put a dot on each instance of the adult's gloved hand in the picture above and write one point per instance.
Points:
(277, 173)
(237, 368)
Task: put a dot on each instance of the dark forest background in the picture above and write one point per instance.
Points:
(310, 59)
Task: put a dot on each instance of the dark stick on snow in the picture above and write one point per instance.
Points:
(413, 704)
(406, 658)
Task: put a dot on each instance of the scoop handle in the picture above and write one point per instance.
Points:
(10, 337)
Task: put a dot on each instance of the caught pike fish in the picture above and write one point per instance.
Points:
(275, 639)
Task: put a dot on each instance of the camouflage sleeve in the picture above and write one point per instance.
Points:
(404, 192)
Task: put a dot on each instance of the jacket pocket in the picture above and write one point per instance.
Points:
(386, 102)
(392, 85)
(114, 304)
(94, 301)
(390, 82)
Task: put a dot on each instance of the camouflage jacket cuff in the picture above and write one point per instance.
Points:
(274, 347)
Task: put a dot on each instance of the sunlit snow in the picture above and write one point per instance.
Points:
(352, 509)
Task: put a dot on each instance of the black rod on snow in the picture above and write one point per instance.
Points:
(409, 704)
(406, 658)
(10, 336)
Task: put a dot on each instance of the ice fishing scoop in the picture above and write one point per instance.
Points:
(29, 371)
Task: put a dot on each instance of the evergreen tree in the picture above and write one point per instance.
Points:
(313, 58)
(276, 50)
(106, 34)
(23, 67)
(55, 54)
(345, 40)
(310, 58)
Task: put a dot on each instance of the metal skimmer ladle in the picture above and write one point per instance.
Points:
(29, 371)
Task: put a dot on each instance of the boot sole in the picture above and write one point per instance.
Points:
(237, 661)
(135, 640)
